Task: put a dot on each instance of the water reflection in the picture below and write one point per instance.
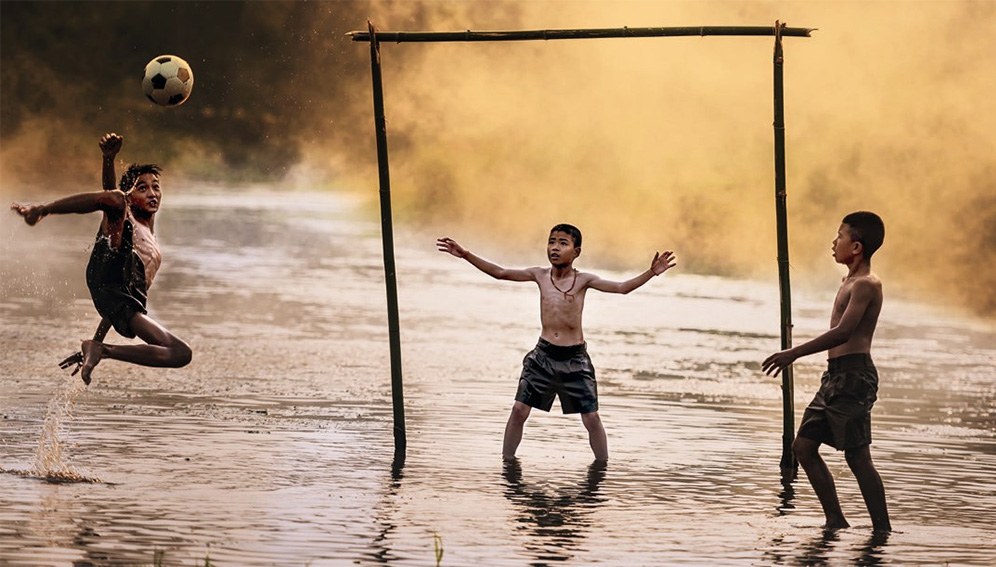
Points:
(87, 539)
(554, 520)
(820, 549)
(826, 547)
(816, 551)
(381, 551)
(873, 551)
(787, 496)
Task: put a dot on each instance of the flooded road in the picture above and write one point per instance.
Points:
(274, 446)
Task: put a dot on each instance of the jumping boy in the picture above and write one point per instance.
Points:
(559, 365)
(110, 144)
(123, 263)
(840, 413)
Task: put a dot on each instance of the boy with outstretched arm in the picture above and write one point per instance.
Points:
(559, 365)
(110, 144)
(123, 263)
(840, 413)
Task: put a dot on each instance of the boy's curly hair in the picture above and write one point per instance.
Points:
(134, 170)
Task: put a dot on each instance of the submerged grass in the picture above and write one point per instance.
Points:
(437, 545)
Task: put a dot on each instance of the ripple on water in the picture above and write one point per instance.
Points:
(275, 445)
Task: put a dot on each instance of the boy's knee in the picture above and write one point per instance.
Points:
(804, 449)
(182, 354)
(858, 458)
(591, 419)
(185, 357)
(519, 413)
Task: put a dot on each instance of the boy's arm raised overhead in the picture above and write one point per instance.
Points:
(660, 264)
(81, 203)
(110, 145)
(451, 246)
(862, 293)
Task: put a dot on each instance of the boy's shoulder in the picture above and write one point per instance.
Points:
(869, 279)
(866, 283)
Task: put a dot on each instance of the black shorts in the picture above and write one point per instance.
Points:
(116, 278)
(550, 370)
(840, 413)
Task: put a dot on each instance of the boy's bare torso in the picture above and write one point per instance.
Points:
(560, 311)
(144, 243)
(147, 247)
(861, 339)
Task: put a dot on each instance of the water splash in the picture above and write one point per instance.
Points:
(50, 462)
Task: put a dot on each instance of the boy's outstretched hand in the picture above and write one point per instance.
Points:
(450, 246)
(777, 362)
(662, 262)
(110, 144)
(31, 213)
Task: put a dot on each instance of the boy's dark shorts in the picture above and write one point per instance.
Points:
(840, 414)
(550, 370)
(118, 306)
(116, 278)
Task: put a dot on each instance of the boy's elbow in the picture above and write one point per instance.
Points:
(840, 335)
(112, 200)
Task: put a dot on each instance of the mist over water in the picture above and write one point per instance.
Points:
(645, 144)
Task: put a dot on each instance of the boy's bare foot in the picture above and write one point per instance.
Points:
(881, 531)
(834, 525)
(92, 353)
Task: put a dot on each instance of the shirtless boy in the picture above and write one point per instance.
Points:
(559, 365)
(110, 144)
(124, 262)
(840, 413)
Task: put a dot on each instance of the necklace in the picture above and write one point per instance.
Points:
(567, 293)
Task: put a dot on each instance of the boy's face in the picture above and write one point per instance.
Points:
(560, 249)
(146, 195)
(845, 248)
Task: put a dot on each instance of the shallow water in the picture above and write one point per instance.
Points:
(274, 447)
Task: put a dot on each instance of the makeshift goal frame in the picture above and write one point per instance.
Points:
(778, 31)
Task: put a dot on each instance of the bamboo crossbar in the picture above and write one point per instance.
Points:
(528, 35)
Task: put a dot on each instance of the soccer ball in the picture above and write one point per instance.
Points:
(168, 80)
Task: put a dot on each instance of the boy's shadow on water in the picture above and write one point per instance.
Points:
(554, 520)
(818, 550)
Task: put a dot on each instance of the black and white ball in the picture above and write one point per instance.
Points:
(168, 80)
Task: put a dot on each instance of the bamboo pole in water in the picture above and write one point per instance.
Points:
(605, 33)
(788, 462)
(387, 231)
